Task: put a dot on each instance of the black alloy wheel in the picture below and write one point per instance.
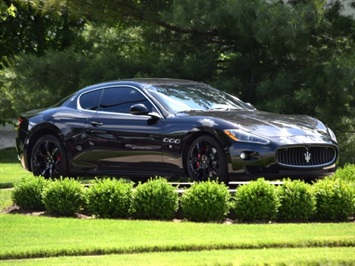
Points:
(48, 158)
(206, 160)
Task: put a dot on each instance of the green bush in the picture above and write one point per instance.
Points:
(206, 201)
(346, 173)
(27, 193)
(256, 201)
(110, 198)
(155, 199)
(335, 199)
(297, 202)
(64, 197)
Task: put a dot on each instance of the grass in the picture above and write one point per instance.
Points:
(10, 168)
(8, 155)
(5, 199)
(298, 256)
(35, 237)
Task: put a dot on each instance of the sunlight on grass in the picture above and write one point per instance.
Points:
(5, 199)
(10, 168)
(11, 173)
(297, 256)
(25, 236)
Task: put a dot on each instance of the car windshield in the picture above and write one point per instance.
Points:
(187, 97)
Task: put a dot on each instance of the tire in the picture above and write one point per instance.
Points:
(48, 158)
(206, 160)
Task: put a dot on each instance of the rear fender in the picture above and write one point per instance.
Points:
(35, 134)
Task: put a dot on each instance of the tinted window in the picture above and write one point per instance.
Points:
(90, 100)
(120, 100)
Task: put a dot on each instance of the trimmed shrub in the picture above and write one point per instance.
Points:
(256, 201)
(155, 199)
(64, 197)
(335, 199)
(297, 201)
(206, 201)
(110, 198)
(347, 173)
(27, 193)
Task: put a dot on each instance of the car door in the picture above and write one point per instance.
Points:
(123, 143)
(74, 125)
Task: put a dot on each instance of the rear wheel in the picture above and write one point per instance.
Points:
(206, 160)
(48, 158)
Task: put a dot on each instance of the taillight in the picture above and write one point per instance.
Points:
(19, 122)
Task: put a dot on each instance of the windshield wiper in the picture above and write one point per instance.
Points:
(225, 108)
(190, 110)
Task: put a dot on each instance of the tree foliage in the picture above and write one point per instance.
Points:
(283, 56)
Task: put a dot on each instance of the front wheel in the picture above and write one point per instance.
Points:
(206, 160)
(48, 158)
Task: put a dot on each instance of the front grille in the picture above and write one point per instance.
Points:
(306, 156)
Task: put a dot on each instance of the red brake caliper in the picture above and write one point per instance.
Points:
(59, 158)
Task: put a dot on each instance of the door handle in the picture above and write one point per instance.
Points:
(96, 124)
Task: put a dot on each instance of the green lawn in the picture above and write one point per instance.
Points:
(5, 199)
(295, 256)
(8, 155)
(28, 237)
(10, 168)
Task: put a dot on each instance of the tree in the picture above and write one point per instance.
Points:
(283, 56)
(28, 29)
(33, 30)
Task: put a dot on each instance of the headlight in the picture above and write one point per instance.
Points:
(332, 135)
(238, 135)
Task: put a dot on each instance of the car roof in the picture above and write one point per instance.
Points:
(141, 82)
(162, 81)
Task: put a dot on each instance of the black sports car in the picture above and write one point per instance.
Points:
(165, 127)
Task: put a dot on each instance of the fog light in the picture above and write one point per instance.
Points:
(243, 156)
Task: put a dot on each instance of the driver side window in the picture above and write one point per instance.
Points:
(120, 100)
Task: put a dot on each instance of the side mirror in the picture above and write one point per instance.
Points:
(139, 109)
(251, 106)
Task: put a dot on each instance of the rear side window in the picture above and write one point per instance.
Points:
(120, 100)
(90, 100)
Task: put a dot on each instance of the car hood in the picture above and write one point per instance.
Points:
(272, 125)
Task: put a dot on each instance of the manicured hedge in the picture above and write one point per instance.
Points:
(206, 201)
(297, 201)
(110, 198)
(64, 197)
(27, 193)
(155, 199)
(330, 199)
(346, 173)
(256, 201)
(335, 200)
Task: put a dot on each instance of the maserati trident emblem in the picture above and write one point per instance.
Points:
(307, 156)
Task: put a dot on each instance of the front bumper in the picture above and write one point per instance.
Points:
(254, 160)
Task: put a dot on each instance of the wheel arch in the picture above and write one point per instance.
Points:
(37, 133)
(212, 133)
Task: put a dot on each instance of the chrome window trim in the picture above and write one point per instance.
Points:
(78, 105)
(115, 113)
